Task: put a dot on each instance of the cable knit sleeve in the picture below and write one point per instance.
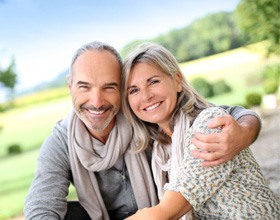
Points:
(196, 183)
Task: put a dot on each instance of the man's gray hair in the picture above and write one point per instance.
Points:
(92, 46)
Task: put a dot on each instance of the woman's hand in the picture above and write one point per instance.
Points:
(172, 207)
(142, 214)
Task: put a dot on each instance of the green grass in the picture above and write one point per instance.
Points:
(16, 176)
(17, 173)
(29, 125)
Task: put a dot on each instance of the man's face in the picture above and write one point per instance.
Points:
(95, 90)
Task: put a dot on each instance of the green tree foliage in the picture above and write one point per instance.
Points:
(260, 20)
(8, 77)
(212, 34)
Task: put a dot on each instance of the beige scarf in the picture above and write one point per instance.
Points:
(84, 162)
(167, 159)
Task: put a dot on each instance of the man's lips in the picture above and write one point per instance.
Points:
(96, 112)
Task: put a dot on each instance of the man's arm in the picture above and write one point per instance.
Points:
(46, 198)
(239, 131)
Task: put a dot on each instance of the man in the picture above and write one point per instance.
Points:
(90, 148)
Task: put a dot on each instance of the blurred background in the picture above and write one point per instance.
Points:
(228, 50)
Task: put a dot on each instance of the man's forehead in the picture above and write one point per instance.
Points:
(98, 75)
(96, 56)
(97, 61)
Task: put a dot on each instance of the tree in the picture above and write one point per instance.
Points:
(212, 34)
(260, 20)
(8, 77)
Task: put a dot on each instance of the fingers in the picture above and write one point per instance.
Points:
(209, 158)
(208, 142)
(220, 121)
(211, 149)
(206, 156)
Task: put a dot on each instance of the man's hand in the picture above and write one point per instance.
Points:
(221, 147)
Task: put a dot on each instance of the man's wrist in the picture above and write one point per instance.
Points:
(250, 126)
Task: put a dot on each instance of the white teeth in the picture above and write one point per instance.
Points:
(152, 107)
(96, 112)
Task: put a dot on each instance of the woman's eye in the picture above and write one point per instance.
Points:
(154, 82)
(132, 91)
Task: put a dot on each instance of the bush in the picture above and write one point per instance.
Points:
(272, 72)
(220, 87)
(253, 99)
(203, 87)
(14, 149)
(270, 86)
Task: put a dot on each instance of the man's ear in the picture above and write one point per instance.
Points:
(68, 78)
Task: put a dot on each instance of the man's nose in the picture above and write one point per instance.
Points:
(96, 99)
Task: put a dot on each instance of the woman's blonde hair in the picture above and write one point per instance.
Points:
(188, 100)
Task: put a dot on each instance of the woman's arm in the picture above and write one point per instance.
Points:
(172, 206)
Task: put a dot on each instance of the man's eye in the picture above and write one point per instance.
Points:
(109, 88)
(83, 87)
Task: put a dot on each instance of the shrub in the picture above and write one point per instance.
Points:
(14, 149)
(254, 99)
(272, 72)
(220, 87)
(203, 87)
(270, 86)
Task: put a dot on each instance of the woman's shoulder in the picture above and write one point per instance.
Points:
(201, 121)
(212, 112)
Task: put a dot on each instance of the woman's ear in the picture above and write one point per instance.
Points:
(178, 79)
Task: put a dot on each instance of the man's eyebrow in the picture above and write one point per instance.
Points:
(112, 84)
(82, 83)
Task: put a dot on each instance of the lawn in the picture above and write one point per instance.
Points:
(16, 175)
(28, 126)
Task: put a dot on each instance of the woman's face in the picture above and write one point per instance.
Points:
(152, 94)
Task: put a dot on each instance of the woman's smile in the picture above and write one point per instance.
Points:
(152, 107)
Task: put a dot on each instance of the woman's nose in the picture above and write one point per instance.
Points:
(147, 95)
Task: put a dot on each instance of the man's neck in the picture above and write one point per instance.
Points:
(103, 135)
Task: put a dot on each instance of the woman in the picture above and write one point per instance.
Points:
(164, 109)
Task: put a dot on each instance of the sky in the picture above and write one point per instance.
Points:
(42, 35)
